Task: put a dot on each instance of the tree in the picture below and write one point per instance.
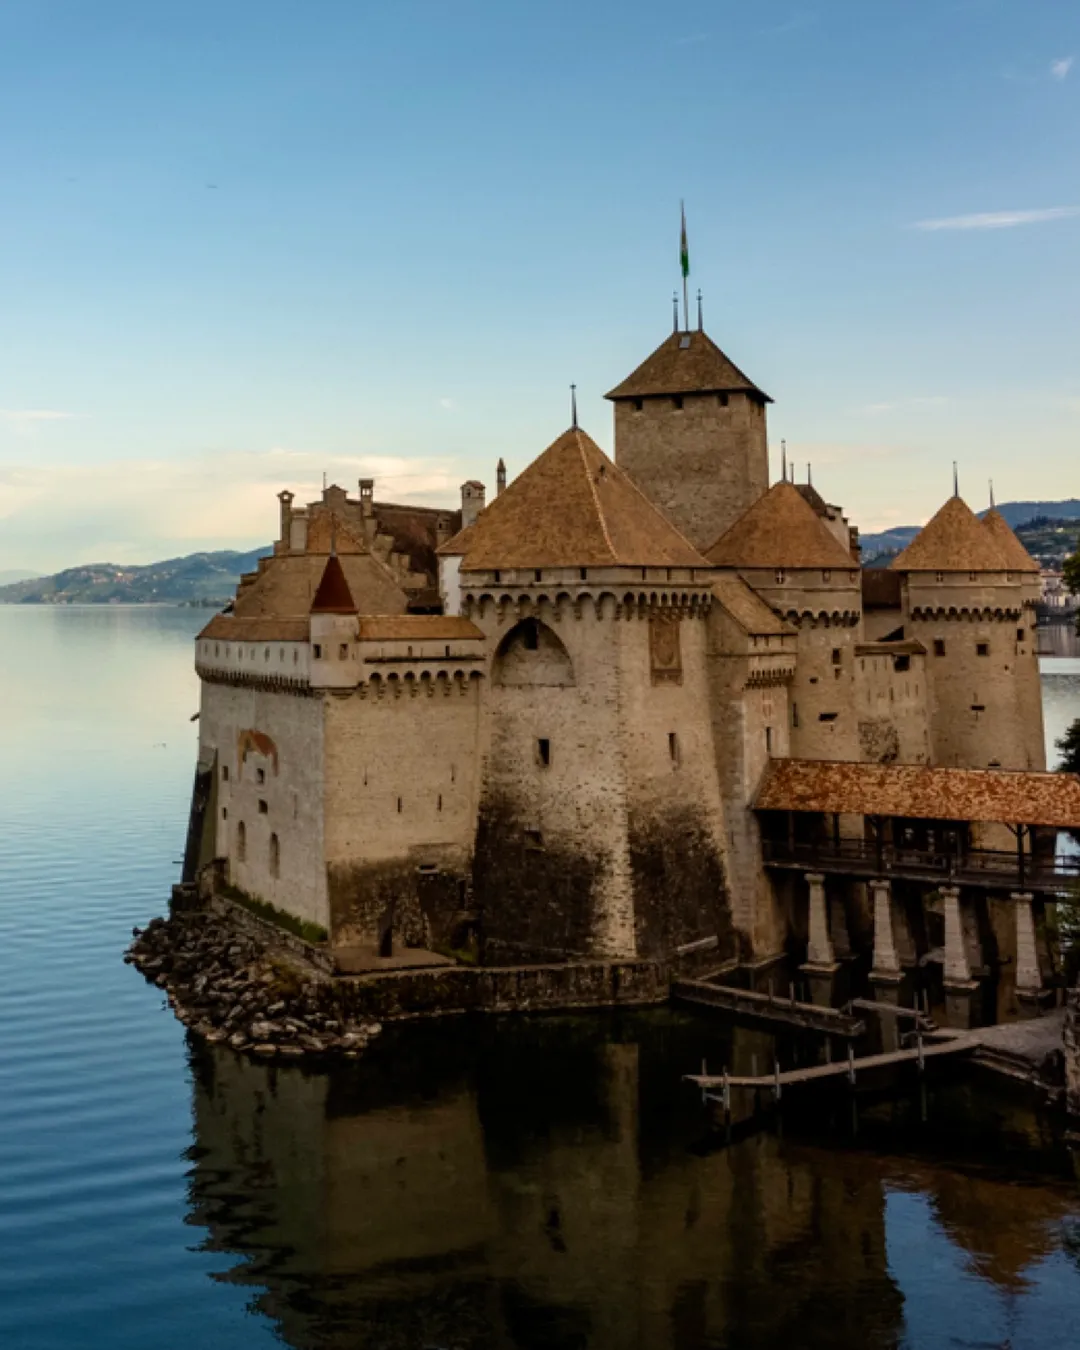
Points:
(1071, 573)
(1069, 747)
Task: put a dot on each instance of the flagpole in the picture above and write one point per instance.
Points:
(684, 267)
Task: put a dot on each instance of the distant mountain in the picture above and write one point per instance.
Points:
(15, 574)
(1043, 527)
(197, 579)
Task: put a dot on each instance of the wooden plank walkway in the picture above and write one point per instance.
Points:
(767, 1008)
(958, 1045)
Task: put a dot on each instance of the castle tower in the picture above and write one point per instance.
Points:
(788, 555)
(964, 600)
(600, 829)
(690, 431)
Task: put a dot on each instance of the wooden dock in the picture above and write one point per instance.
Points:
(851, 1067)
(767, 1008)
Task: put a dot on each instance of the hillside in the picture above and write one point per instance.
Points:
(198, 578)
(1048, 530)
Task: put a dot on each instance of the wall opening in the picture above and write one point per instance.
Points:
(543, 751)
(673, 746)
(982, 649)
(263, 807)
(275, 856)
(532, 654)
(939, 646)
(241, 842)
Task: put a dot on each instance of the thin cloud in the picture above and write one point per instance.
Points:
(25, 416)
(1060, 69)
(998, 220)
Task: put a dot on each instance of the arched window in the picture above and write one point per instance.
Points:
(532, 654)
(241, 842)
(275, 856)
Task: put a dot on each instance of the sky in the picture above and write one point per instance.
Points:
(246, 243)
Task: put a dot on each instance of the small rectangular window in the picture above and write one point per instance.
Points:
(639, 403)
(982, 649)
(543, 751)
(781, 576)
(768, 740)
(939, 646)
(438, 805)
(263, 807)
(224, 813)
(224, 773)
(316, 652)
(723, 400)
(534, 840)
(538, 575)
(260, 775)
(827, 717)
(836, 656)
(902, 663)
(677, 402)
(1019, 635)
(584, 573)
(399, 805)
(673, 746)
(343, 651)
(795, 715)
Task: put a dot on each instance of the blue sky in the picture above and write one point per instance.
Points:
(241, 243)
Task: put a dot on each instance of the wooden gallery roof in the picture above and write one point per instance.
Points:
(920, 793)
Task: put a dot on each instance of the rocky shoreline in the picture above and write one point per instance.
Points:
(230, 989)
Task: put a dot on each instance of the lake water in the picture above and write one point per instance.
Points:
(544, 1184)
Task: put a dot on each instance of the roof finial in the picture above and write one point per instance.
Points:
(809, 476)
(783, 461)
(700, 325)
(991, 494)
(675, 311)
(500, 477)
(324, 480)
(573, 405)
(955, 480)
(684, 264)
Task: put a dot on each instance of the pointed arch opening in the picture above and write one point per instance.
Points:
(531, 653)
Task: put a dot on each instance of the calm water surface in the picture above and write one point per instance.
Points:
(539, 1184)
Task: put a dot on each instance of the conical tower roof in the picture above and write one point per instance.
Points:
(686, 363)
(781, 529)
(573, 507)
(333, 595)
(954, 540)
(1015, 554)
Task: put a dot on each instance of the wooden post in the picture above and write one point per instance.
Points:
(851, 1064)
(776, 1078)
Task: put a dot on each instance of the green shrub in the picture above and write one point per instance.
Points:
(301, 928)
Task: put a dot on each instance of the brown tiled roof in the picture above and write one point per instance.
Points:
(747, 608)
(686, 363)
(921, 793)
(333, 595)
(418, 627)
(781, 529)
(459, 545)
(327, 531)
(954, 540)
(1013, 551)
(228, 628)
(286, 588)
(414, 532)
(813, 498)
(573, 507)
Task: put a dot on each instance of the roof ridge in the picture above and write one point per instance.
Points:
(592, 491)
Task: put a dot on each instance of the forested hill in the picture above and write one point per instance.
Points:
(198, 578)
(1048, 530)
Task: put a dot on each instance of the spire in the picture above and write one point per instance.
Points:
(573, 405)
(809, 476)
(992, 503)
(700, 323)
(500, 477)
(955, 480)
(783, 461)
(675, 311)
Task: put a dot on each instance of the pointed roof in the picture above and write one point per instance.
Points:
(1015, 554)
(781, 529)
(573, 507)
(333, 595)
(954, 540)
(686, 363)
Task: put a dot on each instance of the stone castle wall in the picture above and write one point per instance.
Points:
(892, 707)
(703, 459)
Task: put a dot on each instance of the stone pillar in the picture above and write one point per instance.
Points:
(820, 950)
(957, 966)
(886, 960)
(1028, 978)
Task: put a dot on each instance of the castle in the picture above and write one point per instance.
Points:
(643, 708)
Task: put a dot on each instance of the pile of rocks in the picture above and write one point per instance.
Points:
(230, 989)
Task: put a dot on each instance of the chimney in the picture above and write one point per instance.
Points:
(443, 530)
(367, 497)
(286, 500)
(472, 501)
(500, 478)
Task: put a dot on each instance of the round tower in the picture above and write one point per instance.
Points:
(690, 430)
(964, 602)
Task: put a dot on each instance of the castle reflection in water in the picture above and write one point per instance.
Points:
(546, 1184)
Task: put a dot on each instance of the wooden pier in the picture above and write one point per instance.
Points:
(767, 1008)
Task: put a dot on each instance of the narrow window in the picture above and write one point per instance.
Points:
(241, 842)
(438, 806)
(781, 576)
(795, 715)
(266, 653)
(281, 655)
(295, 655)
(677, 402)
(1019, 635)
(217, 649)
(826, 575)
(448, 649)
(902, 663)
(343, 651)
(673, 746)
(534, 840)
(543, 751)
(260, 775)
(275, 856)
(224, 813)
(584, 574)
(939, 646)
(940, 576)
(263, 807)
(768, 740)
(224, 773)
(973, 576)
(639, 403)
(723, 400)
(836, 656)
(316, 651)
(538, 575)
(399, 806)
(498, 576)
(982, 649)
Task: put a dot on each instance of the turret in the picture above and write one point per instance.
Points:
(472, 501)
(690, 430)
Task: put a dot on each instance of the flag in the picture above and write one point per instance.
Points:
(684, 251)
